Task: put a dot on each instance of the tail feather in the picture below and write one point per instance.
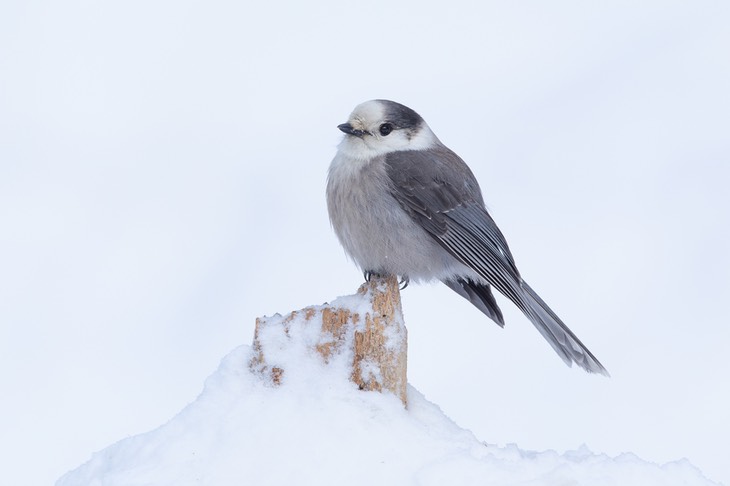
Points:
(556, 333)
(562, 339)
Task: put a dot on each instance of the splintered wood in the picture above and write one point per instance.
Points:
(369, 326)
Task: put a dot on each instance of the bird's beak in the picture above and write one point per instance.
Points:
(348, 129)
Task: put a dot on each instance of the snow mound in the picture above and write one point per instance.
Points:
(318, 428)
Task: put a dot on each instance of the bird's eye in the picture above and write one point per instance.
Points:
(385, 129)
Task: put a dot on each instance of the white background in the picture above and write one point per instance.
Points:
(162, 171)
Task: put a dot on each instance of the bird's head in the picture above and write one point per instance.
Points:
(378, 127)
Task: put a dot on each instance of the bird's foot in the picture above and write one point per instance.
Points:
(368, 274)
(402, 283)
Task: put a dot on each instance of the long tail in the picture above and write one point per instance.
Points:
(562, 339)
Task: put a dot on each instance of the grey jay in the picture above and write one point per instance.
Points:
(402, 203)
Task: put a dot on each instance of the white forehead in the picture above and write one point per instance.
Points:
(368, 112)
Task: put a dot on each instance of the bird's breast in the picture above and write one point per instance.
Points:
(372, 226)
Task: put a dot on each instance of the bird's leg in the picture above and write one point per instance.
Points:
(404, 281)
(368, 274)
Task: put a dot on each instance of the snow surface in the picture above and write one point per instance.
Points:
(318, 428)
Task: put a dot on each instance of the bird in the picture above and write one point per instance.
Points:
(402, 203)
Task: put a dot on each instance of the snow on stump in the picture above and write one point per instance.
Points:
(365, 329)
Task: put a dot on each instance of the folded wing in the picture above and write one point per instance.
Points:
(441, 194)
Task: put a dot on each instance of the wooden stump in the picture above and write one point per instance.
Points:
(369, 325)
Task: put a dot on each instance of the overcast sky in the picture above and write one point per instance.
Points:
(162, 172)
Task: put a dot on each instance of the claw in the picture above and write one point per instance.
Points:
(369, 274)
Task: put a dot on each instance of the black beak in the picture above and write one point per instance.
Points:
(347, 128)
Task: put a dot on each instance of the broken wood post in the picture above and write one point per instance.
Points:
(369, 325)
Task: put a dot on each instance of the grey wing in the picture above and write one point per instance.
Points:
(440, 193)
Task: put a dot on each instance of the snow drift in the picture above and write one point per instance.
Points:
(317, 427)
